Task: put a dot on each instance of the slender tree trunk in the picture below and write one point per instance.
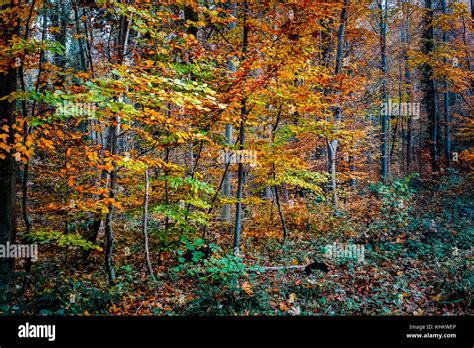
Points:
(447, 117)
(280, 211)
(59, 18)
(216, 194)
(145, 225)
(332, 143)
(240, 174)
(410, 124)
(109, 233)
(240, 188)
(228, 135)
(332, 148)
(167, 190)
(114, 129)
(86, 66)
(80, 40)
(383, 7)
(27, 130)
(227, 177)
(275, 187)
(352, 168)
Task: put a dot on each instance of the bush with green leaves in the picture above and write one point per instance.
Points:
(219, 281)
(456, 281)
(396, 206)
(215, 268)
(62, 295)
(220, 289)
(61, 239)
(231, 299)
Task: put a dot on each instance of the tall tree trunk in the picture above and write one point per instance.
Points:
(111, 209)
(114, 129)
(447, 117)
(87, 66)
(8, 168)
(145, 225)
(240, 174)
(228, 135)
(383, 7)
(59, 18)
(429, 84)
(240, 185)
(26, 130)
(332, 143)
(410, 124)
(227, 177)
(275, 187)
(167, 188)
(280, 210)
(80, 40)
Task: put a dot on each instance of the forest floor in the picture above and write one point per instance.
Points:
(417, 238)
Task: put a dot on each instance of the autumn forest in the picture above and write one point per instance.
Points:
(218, 157)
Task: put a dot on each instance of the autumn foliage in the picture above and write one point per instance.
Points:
(124, 118)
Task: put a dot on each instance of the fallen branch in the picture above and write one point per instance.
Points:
(277, 268)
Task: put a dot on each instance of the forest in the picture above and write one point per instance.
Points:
(236, 157)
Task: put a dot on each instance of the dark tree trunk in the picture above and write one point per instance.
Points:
(109, 233)
(447, 117)
(240, 188)
(228, 134)
(240, 174)
(410, 124)
(8, 168)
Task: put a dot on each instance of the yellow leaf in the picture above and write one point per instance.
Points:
(283, 306)
(5, 147)
(114, 309)
(292, 298)
(247, 288)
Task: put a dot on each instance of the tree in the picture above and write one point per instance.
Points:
(332, 143)
(429, 83)
(8, 166)
(447, 116)
(243, 120)
(383, 14)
